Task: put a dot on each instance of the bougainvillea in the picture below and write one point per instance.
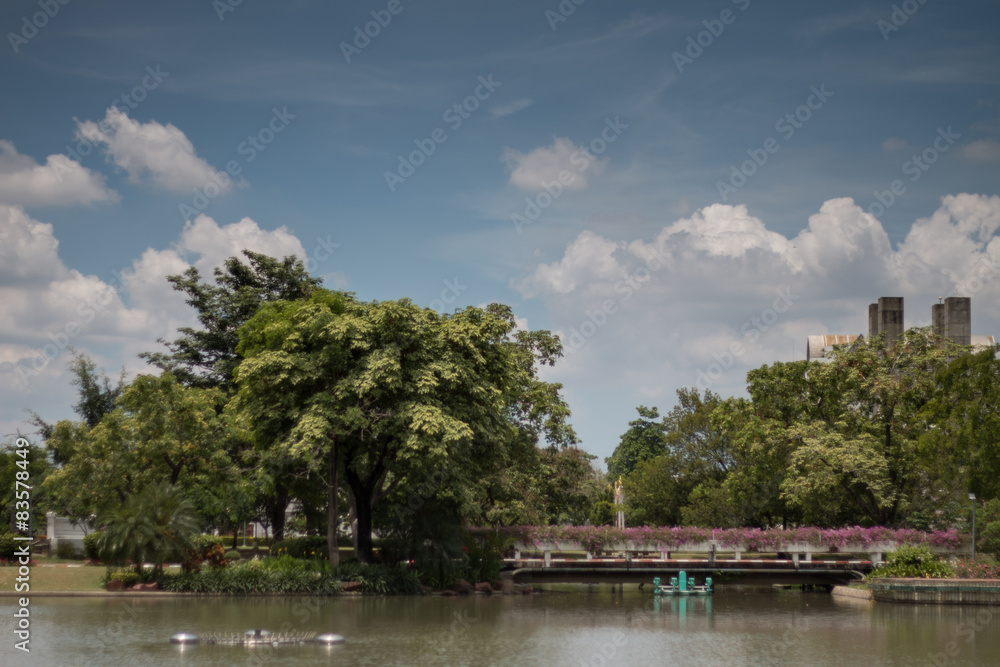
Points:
(598, 538)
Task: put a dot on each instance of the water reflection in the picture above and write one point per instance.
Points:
(568, 626)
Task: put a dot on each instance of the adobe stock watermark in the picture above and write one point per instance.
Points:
(452, 290)
(223, 7)
(454, 116)
(751, 331)
(901, 13)
(59, 341)
(605, 654)
(915, 168)
(965, 631)
(786, 126)
(580, 161)
(37, 21)
(562, 12)
(626, 288)
(248, 150)
(131, 99)
(372, 29)
(714, 28)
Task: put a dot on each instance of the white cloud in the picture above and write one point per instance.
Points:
(717, 293)
(59, 182)
(512, 108)
(162, 153)
(47, 307)
(533, 170)
(982, 150)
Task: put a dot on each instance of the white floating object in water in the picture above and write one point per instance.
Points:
(330, 640)
(183, 638)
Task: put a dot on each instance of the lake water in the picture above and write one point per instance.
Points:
(570, 626)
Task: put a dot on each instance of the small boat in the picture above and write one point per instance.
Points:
(682, 586)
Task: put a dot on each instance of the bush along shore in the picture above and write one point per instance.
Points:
(299, 566)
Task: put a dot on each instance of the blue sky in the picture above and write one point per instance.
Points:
(648, 176)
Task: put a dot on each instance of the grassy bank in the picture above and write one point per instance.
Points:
(56, 579)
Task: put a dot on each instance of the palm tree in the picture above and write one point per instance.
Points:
(150, 526)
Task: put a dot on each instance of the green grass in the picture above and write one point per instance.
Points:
(56, 579)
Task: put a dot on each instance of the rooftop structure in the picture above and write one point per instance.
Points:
(952, 318)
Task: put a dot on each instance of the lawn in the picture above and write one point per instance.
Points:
(55, 579)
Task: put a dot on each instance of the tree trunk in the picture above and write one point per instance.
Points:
(276, 510)
(362, 505)
(364, 551)
(332, 518)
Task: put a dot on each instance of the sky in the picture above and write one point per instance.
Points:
(683, 191)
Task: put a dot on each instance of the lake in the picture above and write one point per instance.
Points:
(570, 625)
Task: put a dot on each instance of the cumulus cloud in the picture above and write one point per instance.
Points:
(718, 293)
(983, 150)
(161, 153)
(59, 182)
(563, 162)
(46, 307)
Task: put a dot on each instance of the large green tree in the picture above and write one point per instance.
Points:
(389, 392)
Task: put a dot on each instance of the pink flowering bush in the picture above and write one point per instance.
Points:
(667, 538)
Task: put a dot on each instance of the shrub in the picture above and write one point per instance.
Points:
(308, 546)
(6, 545)
(989, 540)
(90, 548)
(912, 562)
(484, 555)
(203, 543)
(233, 555)
(128, 579)
(984, 567)
(254, 577)
(379, 579)
(68, 551)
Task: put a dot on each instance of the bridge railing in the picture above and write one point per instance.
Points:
(799, 551)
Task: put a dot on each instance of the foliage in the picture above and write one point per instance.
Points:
(596, 538)
(309, 546)
(250, 577)
(162, 432)
(989, 540)
(38, 467)
(202, 544)
(7, 545)
(983, 567)
(152, 526)
(68, 551)
(233, 555)
(90, 545)
(378, 579)
(207, 357)
(128, 579)
(912, 562)
(484, 555)
(389, 392)
(644, 440)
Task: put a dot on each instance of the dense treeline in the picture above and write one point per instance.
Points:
(893, 437)
(386, 419)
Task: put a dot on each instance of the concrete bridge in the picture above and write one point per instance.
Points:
(639, 562)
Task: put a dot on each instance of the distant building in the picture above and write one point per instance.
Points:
(952, 318)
